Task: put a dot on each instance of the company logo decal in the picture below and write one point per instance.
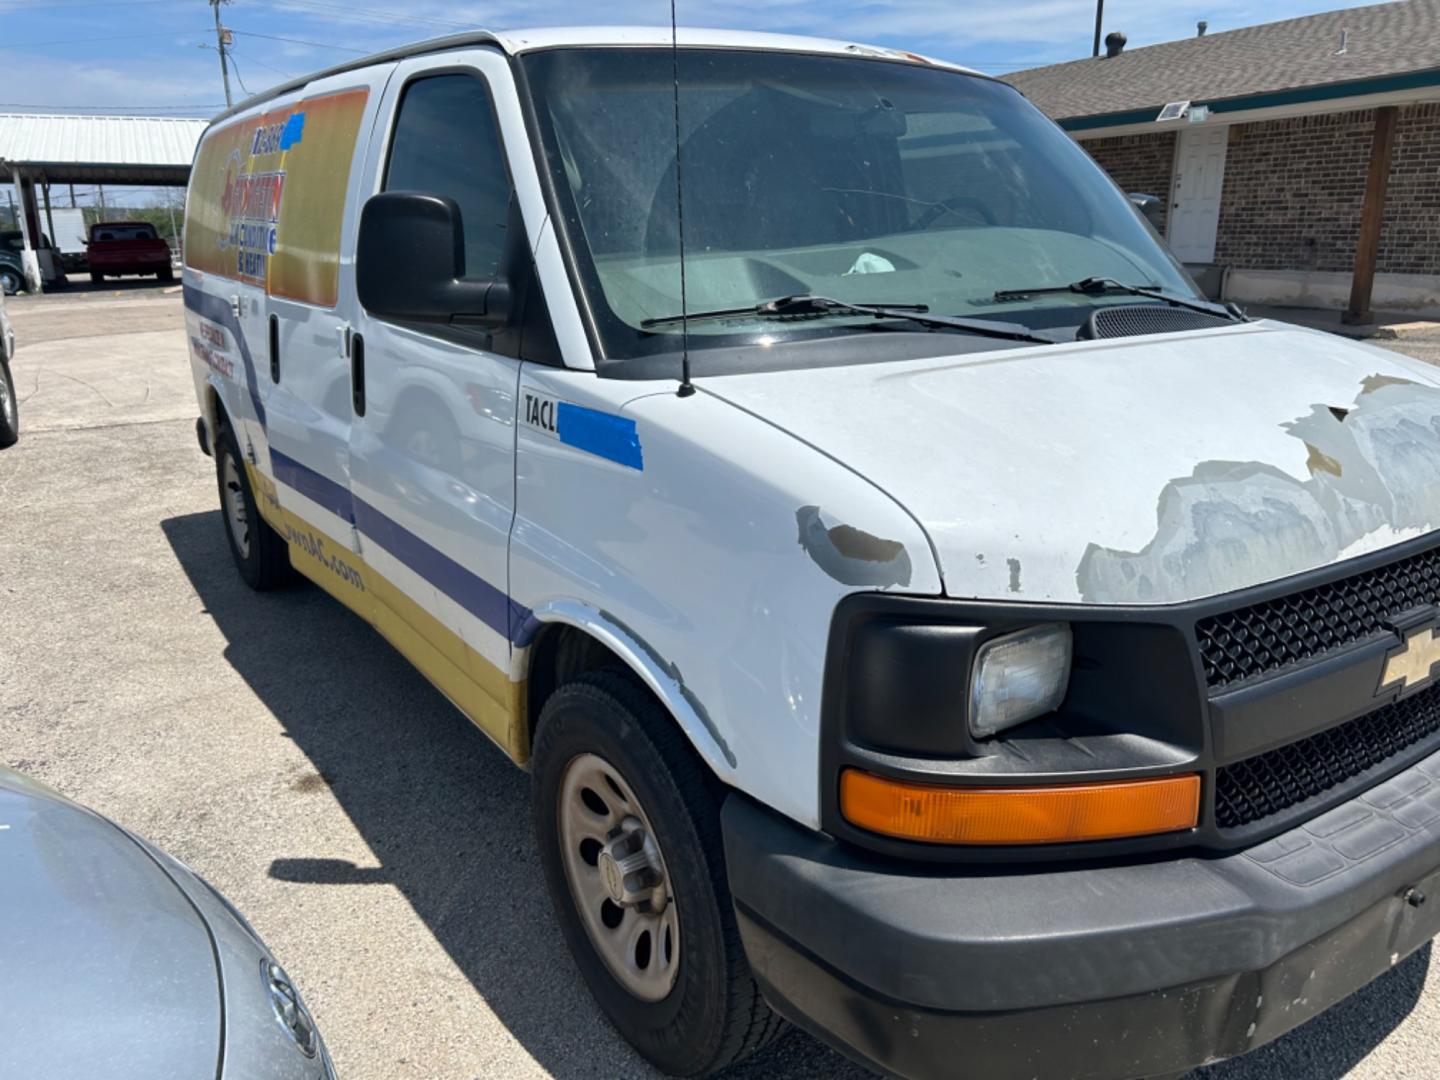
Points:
(251, 205)
(1413, 664)
(210, 347)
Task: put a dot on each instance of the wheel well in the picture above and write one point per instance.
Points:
(214, 410)
(559, 654)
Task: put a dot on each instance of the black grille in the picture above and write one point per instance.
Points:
(1127, 320)
(1268, 783)
(1252, 641)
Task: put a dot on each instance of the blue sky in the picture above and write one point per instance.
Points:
(152, 55)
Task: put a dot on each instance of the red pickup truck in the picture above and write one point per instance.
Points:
(127, 247)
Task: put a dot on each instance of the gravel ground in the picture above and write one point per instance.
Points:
(282, 749)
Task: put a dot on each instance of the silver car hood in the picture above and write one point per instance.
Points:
(108, 970)
(1143, 470)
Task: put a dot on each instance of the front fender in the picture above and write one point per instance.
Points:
(710, 548)
(662, 678)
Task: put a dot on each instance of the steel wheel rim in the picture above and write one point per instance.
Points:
(235, 516)
(618, 879)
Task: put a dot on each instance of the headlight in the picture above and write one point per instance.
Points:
(1019, 677)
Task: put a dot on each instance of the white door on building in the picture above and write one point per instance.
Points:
(1195, 200)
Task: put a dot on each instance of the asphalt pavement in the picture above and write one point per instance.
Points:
(278, 746)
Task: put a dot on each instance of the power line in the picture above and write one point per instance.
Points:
(238, 77)
(268, 67)
(297, 41)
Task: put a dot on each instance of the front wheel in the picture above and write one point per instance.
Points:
(96, 277)
(167, 274)
(10, 281)
(260, 553)
(629, 832)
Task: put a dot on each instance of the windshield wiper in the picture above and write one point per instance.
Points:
(807, 305)
(1097, 286)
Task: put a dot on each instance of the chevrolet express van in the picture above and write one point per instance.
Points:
(923, 614)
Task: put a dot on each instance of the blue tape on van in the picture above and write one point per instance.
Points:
(599, 433)
(293, 131)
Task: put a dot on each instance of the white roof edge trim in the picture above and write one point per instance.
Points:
(516, 42)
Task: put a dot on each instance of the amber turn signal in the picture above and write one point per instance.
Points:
(1019, 815)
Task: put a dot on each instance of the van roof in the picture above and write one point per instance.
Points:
(515, 42)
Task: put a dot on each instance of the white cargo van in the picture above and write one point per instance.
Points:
(923, 614)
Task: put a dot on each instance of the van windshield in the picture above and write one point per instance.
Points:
(870, 182)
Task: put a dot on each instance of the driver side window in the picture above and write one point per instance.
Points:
(446, 143)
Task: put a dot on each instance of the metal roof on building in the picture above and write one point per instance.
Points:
(99, 149)
(1353, 47)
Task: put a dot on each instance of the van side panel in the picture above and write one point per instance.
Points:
(265, 217)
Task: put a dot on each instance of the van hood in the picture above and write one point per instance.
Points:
(1145, 470)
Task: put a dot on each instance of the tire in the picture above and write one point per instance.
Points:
(712, 1014)
(9, 406)
(262, 556)
(167, 274)
(96, 276)
(9, 281)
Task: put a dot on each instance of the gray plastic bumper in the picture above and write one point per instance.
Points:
(1118, 971)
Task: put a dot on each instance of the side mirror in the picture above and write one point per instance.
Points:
(1151, 208)
(410, 264)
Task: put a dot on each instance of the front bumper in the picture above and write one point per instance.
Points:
(1120, 970)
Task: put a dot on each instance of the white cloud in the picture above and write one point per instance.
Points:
(57, 81)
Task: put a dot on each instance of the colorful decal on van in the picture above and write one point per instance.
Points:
(268, 197)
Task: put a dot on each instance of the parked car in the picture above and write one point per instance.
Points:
(9, 402)
(120, 962)
(12, 269)
(918, 607)
(127, 247)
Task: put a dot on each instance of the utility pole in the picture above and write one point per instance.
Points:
(221, 34)
(1099, 18)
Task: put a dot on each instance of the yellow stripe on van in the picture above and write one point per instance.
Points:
(479, 689)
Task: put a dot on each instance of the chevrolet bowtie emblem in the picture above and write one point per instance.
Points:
(1412, 663)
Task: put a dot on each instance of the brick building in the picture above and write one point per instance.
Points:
(1279, 141)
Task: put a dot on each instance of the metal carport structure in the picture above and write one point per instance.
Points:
(37, 149)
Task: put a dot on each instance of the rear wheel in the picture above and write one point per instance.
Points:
(260, 553)
(629, 833)
(167, 274)
(9, 406)
(96, 276)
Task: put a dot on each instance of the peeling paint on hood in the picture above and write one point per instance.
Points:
(1374, 480)
(1146, 470)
